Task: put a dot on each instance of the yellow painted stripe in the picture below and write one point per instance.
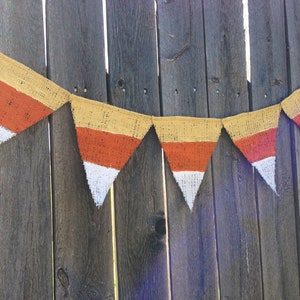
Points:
(28, 82)
(247, 124)
(101, 116)
(187, 129)
(291, 104)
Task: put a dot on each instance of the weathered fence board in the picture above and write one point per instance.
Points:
(75, 40)
(240, 241)
(83, 246)
(25, 221)
(236, 217)
(182, 58)
(194, 273)
(25, 214)
(21, 33)
(269, 85)
(139, 202)
(83, 234)
(293, 45)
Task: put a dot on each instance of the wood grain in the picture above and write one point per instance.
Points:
(193, 252)
(240, 241)
(236, 212)
(83, 245)
(269, 85)
(133, 84)
(25, 221)
(21, 33)
(182, 58)
(25, 218)
(292, 9)
(133, 81)
(75, 39)
(83, 234)
(140, 225)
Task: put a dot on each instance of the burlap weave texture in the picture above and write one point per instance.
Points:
(250, 123)
(31, 83)
(291, 105)
(100, 116)
(187, 129)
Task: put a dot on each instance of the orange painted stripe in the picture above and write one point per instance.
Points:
(258, 146)
(105, 148)
(19, 111)
(189, 156)
(297, 120)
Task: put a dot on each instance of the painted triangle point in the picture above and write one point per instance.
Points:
(99, 179)
(5, 134)
(266, 168)
(189, 183)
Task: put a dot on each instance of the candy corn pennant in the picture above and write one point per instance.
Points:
(254, 133)
(188, 144)
(107, 136)
(25, 97)
(291, 106)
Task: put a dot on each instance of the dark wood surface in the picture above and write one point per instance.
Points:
(293, 43)
(25, 210)
(139, 202)
(240, 241)
(133, 81)
(193, 253)
(75, 40)
(182, 58)
(234, 194)
(25, 221)
(83, 233)
(141, 235)
(21, 33)
(269, 85)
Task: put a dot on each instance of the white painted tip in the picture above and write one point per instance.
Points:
(266, 168)
(189, 183)
(5, 134)
(99, 179)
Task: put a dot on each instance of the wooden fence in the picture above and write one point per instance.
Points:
(172, 57)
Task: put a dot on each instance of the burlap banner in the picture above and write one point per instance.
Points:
(188, 144)
(25, 97)
(107, 136)
(254, 133)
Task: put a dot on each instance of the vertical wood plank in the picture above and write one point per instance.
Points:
(236, 212)
(268, 52)
(83, 237)
(194, 273)
(83, 246)
(140, 225)
(21, 33)
(25, 235)
(133, 84)
(269, 85)
(25, 220)
(182, 58)
(292, 9)
(76, 47)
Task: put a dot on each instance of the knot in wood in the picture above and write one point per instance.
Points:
(63, 277)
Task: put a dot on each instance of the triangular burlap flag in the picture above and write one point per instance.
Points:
(188, 144)
(291, 106)
(107, 136)
(254, 133)
(25, 97)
